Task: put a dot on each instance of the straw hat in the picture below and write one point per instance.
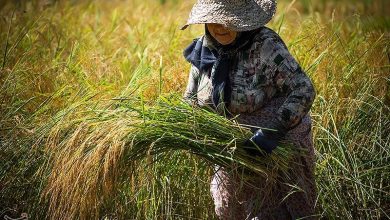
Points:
(238, 15)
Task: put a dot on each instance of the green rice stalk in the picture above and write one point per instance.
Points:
(92, 155)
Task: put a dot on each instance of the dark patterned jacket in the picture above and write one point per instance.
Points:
(264, 71)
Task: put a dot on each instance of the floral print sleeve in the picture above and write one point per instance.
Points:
(191, 91)
(289, 79)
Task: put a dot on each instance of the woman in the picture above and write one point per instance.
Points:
(242, 68)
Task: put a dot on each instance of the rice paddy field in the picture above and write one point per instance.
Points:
(71, 70)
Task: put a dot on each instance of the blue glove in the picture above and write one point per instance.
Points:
(266, 140)
(263, 142)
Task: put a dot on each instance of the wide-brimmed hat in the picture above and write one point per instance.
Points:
(238, 15)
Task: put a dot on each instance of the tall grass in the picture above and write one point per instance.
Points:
(50, 59)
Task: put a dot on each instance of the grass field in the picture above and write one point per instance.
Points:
(55, 54)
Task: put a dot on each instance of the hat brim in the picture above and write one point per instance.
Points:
(244, 17)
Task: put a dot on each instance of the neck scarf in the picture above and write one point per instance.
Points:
(220, 58)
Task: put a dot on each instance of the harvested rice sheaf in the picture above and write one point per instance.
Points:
(90, 154)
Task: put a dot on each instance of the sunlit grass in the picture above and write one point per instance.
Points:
(53, 55)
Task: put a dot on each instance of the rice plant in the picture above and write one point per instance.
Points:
(93, 150)
(52, 53)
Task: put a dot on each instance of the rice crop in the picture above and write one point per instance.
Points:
(53, 53)
(91, 155)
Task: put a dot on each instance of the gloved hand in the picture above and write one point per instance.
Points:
(266, 140)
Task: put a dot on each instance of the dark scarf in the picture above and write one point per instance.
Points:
(221, 58)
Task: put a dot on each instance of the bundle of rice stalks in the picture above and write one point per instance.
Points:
(93, 151)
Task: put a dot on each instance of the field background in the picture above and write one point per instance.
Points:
(56, 53)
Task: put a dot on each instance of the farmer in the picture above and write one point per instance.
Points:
(240, 67)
